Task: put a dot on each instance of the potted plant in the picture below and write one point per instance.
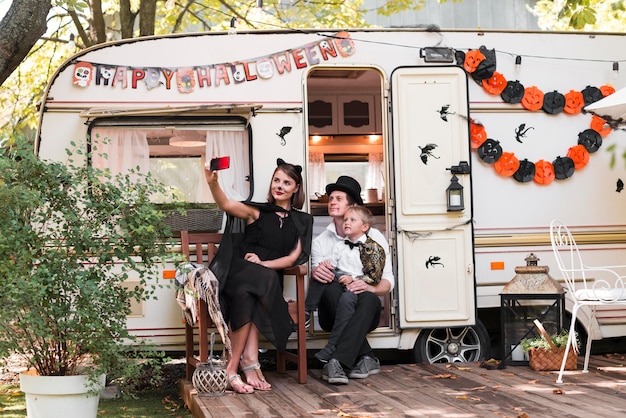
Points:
(70, 235)
(545, 352)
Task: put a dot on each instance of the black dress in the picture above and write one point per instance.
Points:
(253, 292)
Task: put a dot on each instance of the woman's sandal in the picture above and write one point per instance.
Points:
(259, 374)
(236, 384)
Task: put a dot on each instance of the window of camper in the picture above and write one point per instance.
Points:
(358, 156)
(353, 165)
(176, 154)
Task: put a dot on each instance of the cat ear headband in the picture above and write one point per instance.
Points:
(280, 162)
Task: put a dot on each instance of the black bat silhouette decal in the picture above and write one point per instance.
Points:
(620, 185)
(427, 151)
(443, 112)
(520, 132)
(283, 131)
(433, 261)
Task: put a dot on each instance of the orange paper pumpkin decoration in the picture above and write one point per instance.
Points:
(574, 102)
(544, 172)
(580, 156)
(495, 84)
(478, 135)
(533, 98)
(598, 124)
(472, 59)
(607, 90)
(507, 164)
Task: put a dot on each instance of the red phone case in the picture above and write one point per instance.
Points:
(220, 163)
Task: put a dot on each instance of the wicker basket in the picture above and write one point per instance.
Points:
(541, 359)
(211, 378)
(194, 220)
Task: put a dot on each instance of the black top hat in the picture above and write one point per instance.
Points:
(349, 185)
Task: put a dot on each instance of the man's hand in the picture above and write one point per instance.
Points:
(359, 286)
(324, 272)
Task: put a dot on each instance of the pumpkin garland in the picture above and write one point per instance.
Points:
(481, 65)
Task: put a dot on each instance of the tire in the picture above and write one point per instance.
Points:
(452, 345)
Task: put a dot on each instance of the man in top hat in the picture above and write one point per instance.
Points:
(353, 352)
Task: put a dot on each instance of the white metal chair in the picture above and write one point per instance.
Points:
(605, 288)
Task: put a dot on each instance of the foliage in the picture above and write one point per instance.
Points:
(74, 25)
(559, 340)
(69, 241)
(591, 15)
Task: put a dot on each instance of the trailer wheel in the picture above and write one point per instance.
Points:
(452, 345)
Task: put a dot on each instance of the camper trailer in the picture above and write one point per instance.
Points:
(463, 142)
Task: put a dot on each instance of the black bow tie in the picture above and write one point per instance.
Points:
(352, 244)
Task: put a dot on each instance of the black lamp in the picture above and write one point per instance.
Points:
(455, 195)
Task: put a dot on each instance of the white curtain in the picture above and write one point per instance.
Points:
(126, 149)
(231, 144)
(375, 172)
(317, 173)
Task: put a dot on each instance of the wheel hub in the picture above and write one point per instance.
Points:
(453, 348)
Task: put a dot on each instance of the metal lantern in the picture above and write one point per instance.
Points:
(454, 193)
(531, 294)
(210, 378)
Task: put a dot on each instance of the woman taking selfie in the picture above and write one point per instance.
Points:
(276, 236)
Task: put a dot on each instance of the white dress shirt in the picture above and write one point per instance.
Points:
(324, 244)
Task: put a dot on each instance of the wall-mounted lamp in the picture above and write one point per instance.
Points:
(232, 30)
(437, 54)
(454, 193)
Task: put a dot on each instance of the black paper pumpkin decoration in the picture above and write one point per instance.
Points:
(460, 57)
(490, 151)
(590, 139)
(591, 95)
(544, 172)
(513, 92)
(553, 102)
(487, 66)
(563, 168)
(579, 155)
(525, 172)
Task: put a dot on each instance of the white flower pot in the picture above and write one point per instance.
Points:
(60, 396)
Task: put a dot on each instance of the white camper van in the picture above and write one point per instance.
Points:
(441, 128)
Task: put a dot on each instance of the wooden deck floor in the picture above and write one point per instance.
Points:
(441, 390)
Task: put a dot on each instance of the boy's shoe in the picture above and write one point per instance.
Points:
(307, 319)
(333, 373)
(325, 354)
(366, 367)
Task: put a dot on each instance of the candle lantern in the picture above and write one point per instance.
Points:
(455, 195)
(531, 294)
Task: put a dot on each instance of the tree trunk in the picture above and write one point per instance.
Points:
(24, 23)
(97, 27)
(127, 19)
(147, 13)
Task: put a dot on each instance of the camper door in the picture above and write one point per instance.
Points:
(433, 217)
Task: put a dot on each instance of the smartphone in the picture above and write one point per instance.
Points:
(219, 163)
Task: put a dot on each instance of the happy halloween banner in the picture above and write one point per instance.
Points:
(185, 79)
